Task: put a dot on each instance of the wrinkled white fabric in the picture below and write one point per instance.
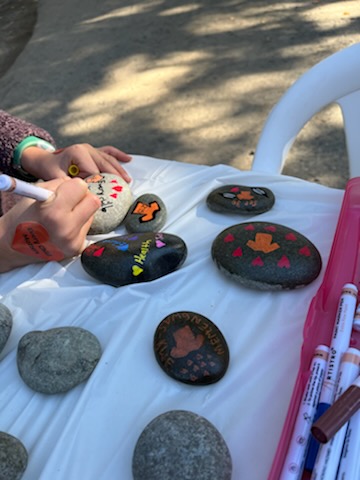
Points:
(90, 432)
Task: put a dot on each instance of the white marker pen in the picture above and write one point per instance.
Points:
(339, 343)
(25, 189)
(356, 324)
(349, 467)
(328, 458)
(295, 458)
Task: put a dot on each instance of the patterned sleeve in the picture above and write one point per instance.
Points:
(12, 131)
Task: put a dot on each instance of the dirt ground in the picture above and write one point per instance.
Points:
(17, 22)
(189, 81)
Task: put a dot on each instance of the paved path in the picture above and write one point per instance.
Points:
(190, 81)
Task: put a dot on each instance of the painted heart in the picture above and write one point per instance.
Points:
(136, 270)
(33, 239)
(284, 262)
(91, 249)
(257, 262)
(305, 251)
(99, 252)
(291, 237)
(113, 195)
(118, 188)
(234, 189)
(122, 246)
(271, 228)
(237, 252)
(229, 238)
(114, 181)
(159, 244)
(249, 227)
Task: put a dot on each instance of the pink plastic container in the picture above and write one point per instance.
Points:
(343, 267)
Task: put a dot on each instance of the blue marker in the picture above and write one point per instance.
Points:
(339, 344)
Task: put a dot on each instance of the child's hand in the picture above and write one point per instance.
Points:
(33, 232)
(88, 159)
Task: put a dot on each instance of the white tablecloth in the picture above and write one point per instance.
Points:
(89, 433)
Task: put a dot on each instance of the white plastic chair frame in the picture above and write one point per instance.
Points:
(335, 79)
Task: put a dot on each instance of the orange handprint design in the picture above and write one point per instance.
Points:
(263, 243)
(186, 342)
(245, 195)
(147, 211)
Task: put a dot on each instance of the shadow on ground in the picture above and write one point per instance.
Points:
(190, 81)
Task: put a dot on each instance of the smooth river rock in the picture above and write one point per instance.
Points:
(116, 198)
(134, 258)
(190, 348)
(5, 325)
(266, 256)
(181, 445)
(58, 359)
(240, 200)
(146, 214)
(13, 457)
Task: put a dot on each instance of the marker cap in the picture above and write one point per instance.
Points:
(73, 170)
(6, 183)
(337, 415)
(349, 288)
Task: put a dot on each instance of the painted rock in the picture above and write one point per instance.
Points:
(240, 200)
(13, 457)
(134, 258)
(266, 256)
(190, 348)
(181, 445)
(5, 325)
(116, 198)
(58, 359)
(146, 214)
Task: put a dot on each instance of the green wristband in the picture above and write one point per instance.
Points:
(30, 141)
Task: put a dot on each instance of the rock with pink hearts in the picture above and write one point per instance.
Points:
(116, 198)
(266, 256)
(134, 258)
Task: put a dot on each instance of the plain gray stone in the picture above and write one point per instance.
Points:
(56, 360)
(13, 457)
(5, 325)
(181, 445)
(116, 198)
